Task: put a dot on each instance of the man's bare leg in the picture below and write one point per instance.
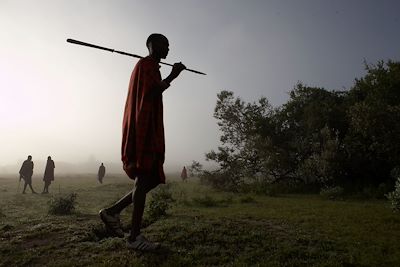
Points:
(110, 216)
(25, 185)
(139, 200)
(142, 187)
(33, 191)
(121, 204)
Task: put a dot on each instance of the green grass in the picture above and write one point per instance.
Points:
(203, 228)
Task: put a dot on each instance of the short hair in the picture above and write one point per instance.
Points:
(155, 37)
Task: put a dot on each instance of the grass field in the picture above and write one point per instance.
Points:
(203, 228)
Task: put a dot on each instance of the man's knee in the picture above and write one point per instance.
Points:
(147, 183)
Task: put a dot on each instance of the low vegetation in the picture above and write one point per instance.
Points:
(394, 197)
(201, 227)
(62, 205)
(161, 200)
(332, 193)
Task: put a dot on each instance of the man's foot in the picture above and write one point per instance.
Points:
(112, 222)
(23, 192)
(142, 244)
(33, 192)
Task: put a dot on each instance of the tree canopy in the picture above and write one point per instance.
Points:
(348, 138)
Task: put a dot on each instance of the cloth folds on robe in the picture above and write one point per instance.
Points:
(143, 143)
(49, 171)
(26, 170)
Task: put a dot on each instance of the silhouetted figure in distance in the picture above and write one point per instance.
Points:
(101, 173)
(184, 174)
(48, 175)
(26, 173)
(143, 144)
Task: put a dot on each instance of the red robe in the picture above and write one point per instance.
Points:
(143, 144)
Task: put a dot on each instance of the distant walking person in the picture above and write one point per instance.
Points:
(48, 175)
(184, 174)
(101, 173)
(143, 145)
(26, 173)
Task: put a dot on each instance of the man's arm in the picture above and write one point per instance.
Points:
(176, 70)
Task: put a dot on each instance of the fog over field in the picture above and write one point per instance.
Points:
(90, 166)
(62, 168)
(67, 101)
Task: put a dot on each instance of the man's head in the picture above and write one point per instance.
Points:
(29, 157)
(48, 158)
(158, 45)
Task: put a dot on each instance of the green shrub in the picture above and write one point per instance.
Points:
(226, 180)
(161, 201)
(394, 197)
(62, 205)
(332, 193)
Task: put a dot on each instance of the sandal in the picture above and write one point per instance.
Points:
(142, 244)
(112, 222)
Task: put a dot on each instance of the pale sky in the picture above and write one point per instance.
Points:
(67, 101)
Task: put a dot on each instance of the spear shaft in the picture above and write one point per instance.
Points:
(72, 41)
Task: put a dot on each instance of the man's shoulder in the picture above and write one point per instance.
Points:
(147, 62)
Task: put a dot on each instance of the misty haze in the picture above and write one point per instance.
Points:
(199, 133)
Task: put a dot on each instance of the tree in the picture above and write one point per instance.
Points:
(373, 140)
(239, 123)
(351, 139)
(298, 133)
(195, 169)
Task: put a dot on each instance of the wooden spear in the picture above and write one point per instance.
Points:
(121, 52)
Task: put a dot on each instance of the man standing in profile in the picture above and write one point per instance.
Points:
(26, 173)
(48, 175)
(143, 145)
(184, 174)
(101, 173)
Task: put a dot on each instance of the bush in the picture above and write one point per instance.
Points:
(62, 205)
(161, 201)
(230, 180)
(394, 197)
(332, 193)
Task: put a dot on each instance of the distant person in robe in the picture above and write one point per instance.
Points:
(48, 175)
(26, 173)
(101, 173)
(184, 174)
(143, 147)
